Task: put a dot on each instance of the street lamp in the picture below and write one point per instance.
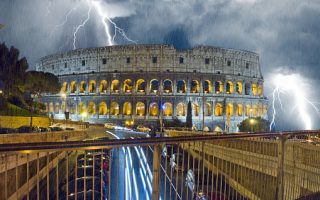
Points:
(252, 121)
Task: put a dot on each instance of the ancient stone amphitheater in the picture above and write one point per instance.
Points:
(147, 83)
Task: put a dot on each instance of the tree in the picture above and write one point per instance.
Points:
(257, 124)
(12, 70)
(38, 83)
(189, 116)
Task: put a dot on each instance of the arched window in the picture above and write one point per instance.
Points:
(218, 87)
(64, 88)
(239, 109)
(92, 86)
(194, 86)
(81, 108)
(181, 109)
(64, 106)
(47, 107)
(140, 109)
(91, 108)
(181, 86)
(57, 108)
(51, 107)
(218, 110)
(264, 109)
(207, 109)
(83, 87)
(115, 86)
(247, 89)
(239, 87)
(260, 109)
(260, 90)
(167, 86)
(254, 89)
(255, 110)
(153, 109)
(229, 87)
(154, 85)
(103, 108)
(127, 108)
(127, 86)
(229, 111)
(141, 85)
(103, 86)
(114, 108)
(73, 87)
(207, 88)
(195, 109)
(167, 109)
(248, 110)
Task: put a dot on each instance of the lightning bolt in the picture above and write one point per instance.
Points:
(81, 25)
(292, 87)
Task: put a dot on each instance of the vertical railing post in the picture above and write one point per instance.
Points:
(156, 173)
(280, 174)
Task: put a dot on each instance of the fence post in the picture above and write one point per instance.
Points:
(156, 173)
(280, 173)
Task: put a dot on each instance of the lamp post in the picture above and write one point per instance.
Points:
(252, 121)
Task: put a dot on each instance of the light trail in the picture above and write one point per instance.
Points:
(293, 85)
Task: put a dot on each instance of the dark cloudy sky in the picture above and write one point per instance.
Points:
(284, 32)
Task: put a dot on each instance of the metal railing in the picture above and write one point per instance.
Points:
(242, 166)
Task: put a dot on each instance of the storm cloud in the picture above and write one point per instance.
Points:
(285, 33)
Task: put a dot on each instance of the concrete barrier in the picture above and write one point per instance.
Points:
(17, 121)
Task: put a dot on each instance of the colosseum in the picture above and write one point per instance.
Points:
(147, 83)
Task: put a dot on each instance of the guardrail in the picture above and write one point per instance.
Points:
(243, 166)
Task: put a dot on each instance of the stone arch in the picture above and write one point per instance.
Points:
(218, 87)
(64, 88)
(207, 86)
(254, 110)
(153, 109)
(239, 87)
(71, 109)
(254, 89)
(83, 87)
(115, 86)
(141, 85)
(247, 89)
(167, 109)
(92, 86)
(64, 106)
(181, 86)
(195, 109)
(154, 85)
(103, 108)
(194, 86)
(127, 85)
(229, 110)
(260, 90)
(57, 108)
(207, 109)
(103, 86)
(81, 108)
(239, 109)
(140, 108)
(229, 87)
(114, 108)
(248, 110)
(167, 86)
(260, 109)
(181, 109)
(51, 108)
(91, 108)
(127, 108)
(73, 87)
(218, 109)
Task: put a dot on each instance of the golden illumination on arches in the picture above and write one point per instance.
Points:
(127, 85)
(51, 107)
(103, 108)
(167, 109)
(91, 108)
(264, 109)
(167, 86)
(260, 90)
(254, 89)
(239, 110)
(92, 86)
(248, 110)
(229, 87)
(194, 86)
(181, 86)
(218, 109)
(239, 87)
(57, 108)
(127, 108)
(254, 110)
(73, 87)
(207, 109)
(218, 87)
(115, 86)
(81, 108)
(83, 87)
(229, 110)
(154, 109)
(103, 86)
(207, 87)
(140, 109)
(181, 109)
(114, 108)
(141, 85)
(64, 88)
(154, 85)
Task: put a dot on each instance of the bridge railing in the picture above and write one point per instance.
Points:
(241, 166)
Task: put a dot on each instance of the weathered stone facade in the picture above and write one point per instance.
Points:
(148, 82)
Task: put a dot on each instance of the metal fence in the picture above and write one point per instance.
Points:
(242, 166)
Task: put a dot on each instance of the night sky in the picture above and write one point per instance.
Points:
(284, 32)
